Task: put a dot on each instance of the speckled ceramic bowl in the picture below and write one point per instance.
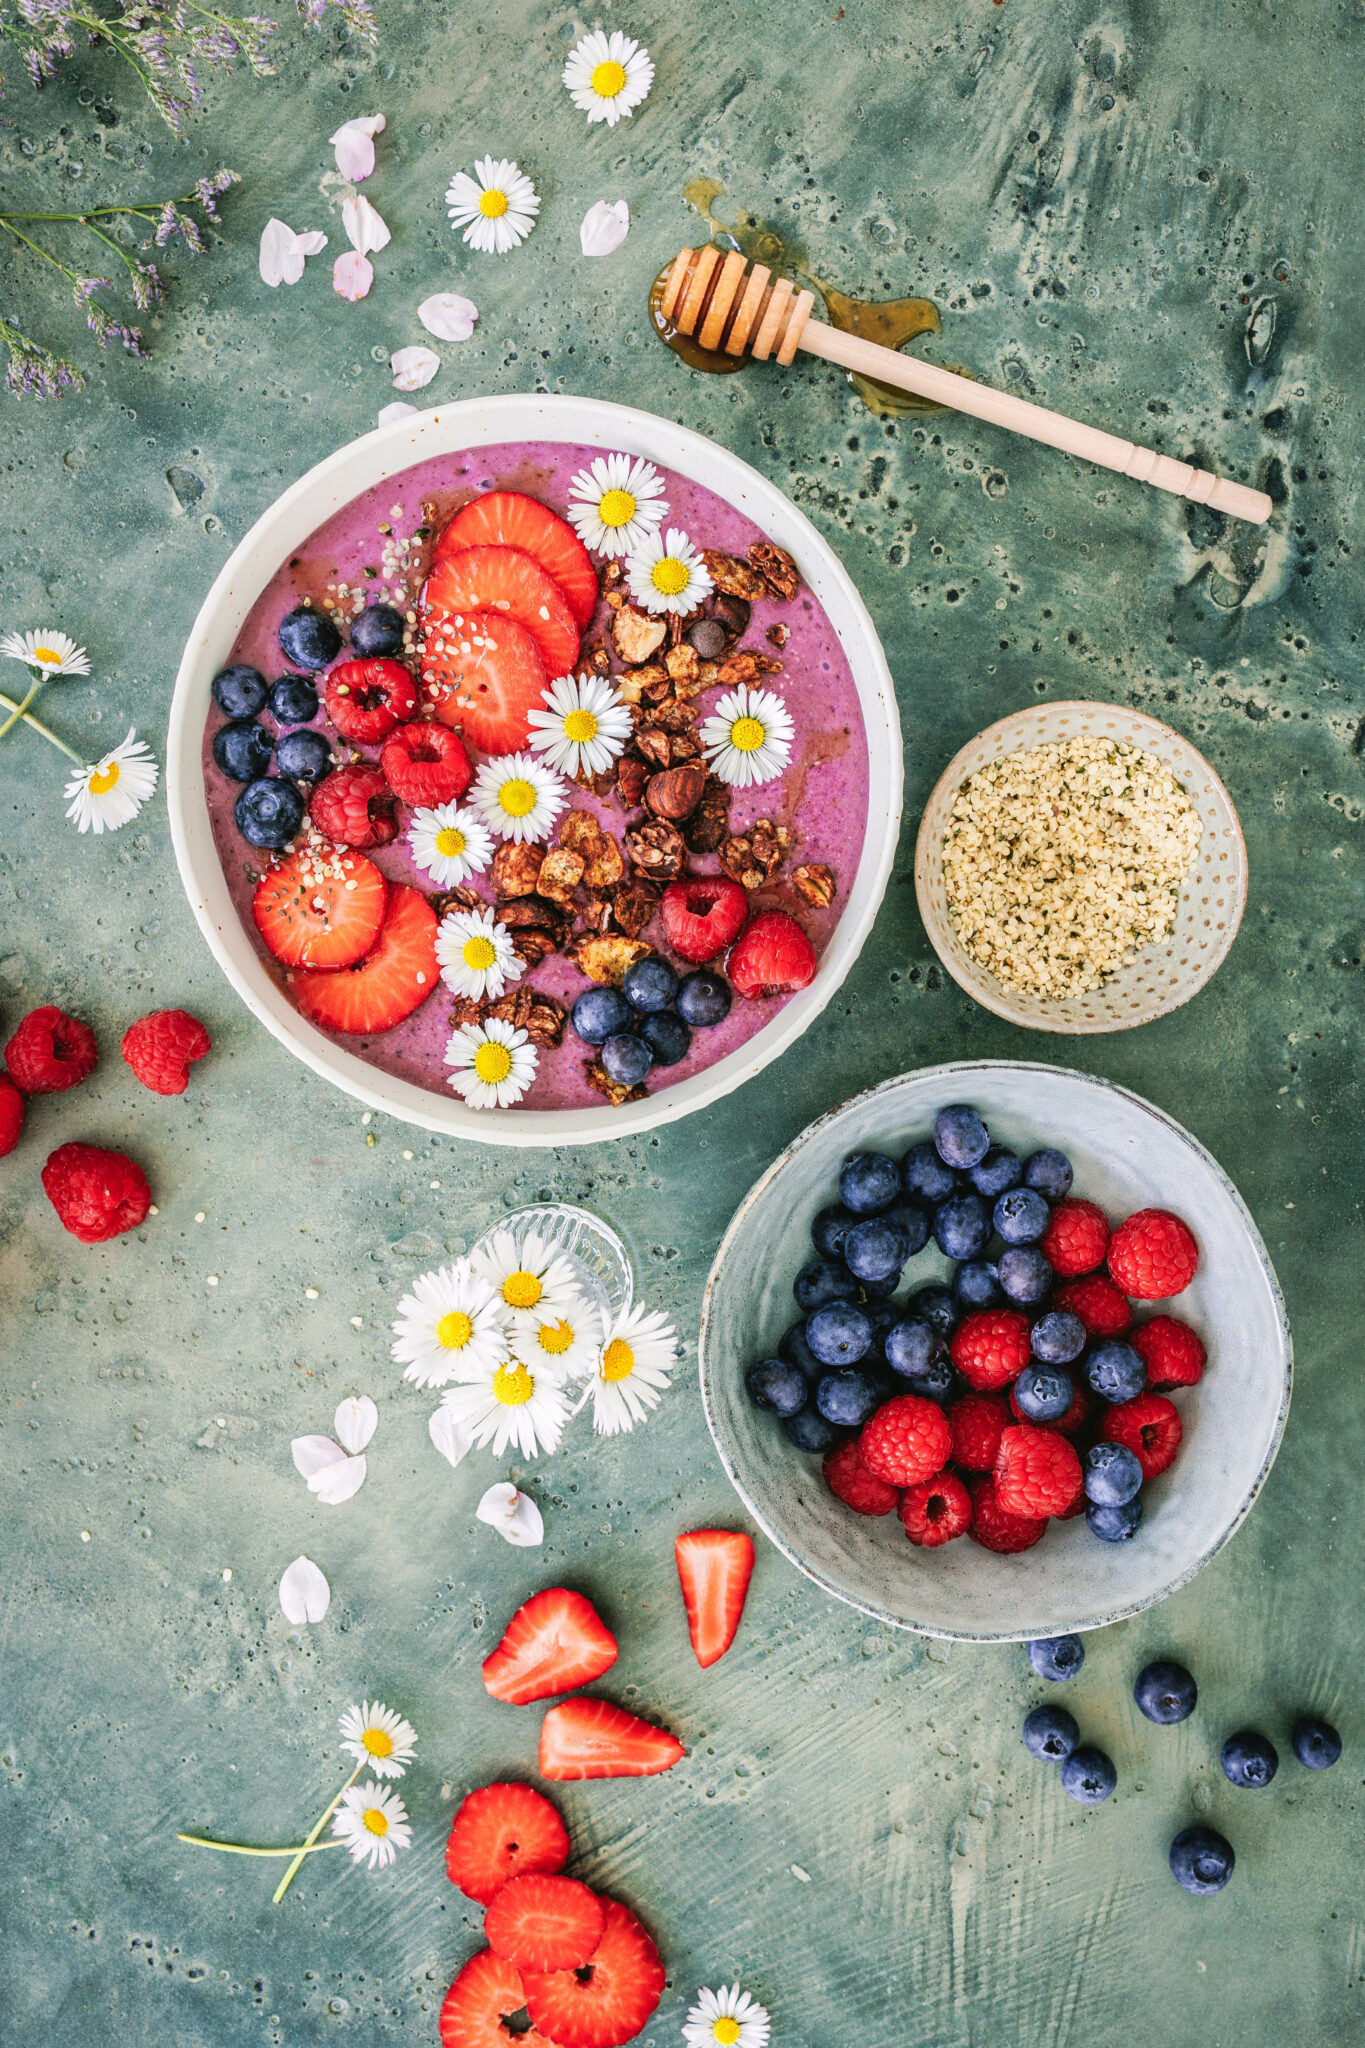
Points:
(1212, 899)
(1127, 1155)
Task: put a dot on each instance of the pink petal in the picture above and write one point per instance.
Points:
(313, 1454)
(337, 1483)
(399, 410)
(355, 1422)
(364, 228)
(304, 1593)
(281, 256)
(352, 275)
(604, 228)
(354, 147)
(448, 316)
(413, 368)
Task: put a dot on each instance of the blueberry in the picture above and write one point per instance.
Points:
(874, 1249)
(269, 812)
(304, 756)
(1058, 1337)
(242, 749)
(1044, 1392)
(1114, 1525)
(912, 1221)
(935, 1383)
(1165, 1692)
(925, 1177)
(1115, 1370)
(1025, 1275)
(599, 1014)
(1051, 1734)
(1021, 1216)
(808, 1430)
(378, 630)
(792, 1347)
(839, 1333)
(626, 1058)
(976, 1284)
(703, 998)
(667, 1037)
(821, 1281)
(935, 1306)
(776, 1386)
(1057, 1658)
(995, 1172)
(911, 1347)
(1088, 1775)
(308, 638)
(293, 701)
(830, 1228)
(878, 1290)
(869, 1181)
(960, 1137)
(650, 984)
(1248, 1759)
(1202, 1860)
(846, 1398)
(1049, 1171)
(962, 1226)
(1316, 1744)
(1112, 1474)
(240, 690)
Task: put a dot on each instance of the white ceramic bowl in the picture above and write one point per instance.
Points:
(325, 490)
(1127, 1155)
(1212, 898)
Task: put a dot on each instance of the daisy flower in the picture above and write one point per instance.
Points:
(726, 2019)
(616, 503)
(608, 77)
(493, 1063)
(667, 574)
(633, 1370)
(450, 1324)
(512, 1403)
(537, 1279)
(518, 798)
(497, 207)
(376, 1736)
(51, 652)
(112, 792)
(449, 844)
(373, 1823)
(748, 737)
(475, 954)
(585, 728)
(565, 1340)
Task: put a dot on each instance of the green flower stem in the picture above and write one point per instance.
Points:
(289, 1875)
(20, 709)
(8, 704)
(243, 1849)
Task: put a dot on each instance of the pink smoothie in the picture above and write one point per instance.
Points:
(372, 548)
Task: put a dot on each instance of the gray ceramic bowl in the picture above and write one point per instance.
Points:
(1127, 1156)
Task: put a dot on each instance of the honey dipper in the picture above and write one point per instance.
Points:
(739, 311)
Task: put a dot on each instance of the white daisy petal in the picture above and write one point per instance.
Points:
(355, 1422)
(608, 77)
(339, 1482)
(450, 843)
(518, 798)
(448, 316)
(377, 1737)
(314, 1454)
(493, 1064)
(603, 228)
(111, 794)
(282, 251)
(353, 144)
(398, 409)
(451, 1323)
(352, 276)
(510, 1404)
(748, 737)
(585, 728)
(496, 208)
(527, 1279)
(451, 1440)
(373, 1823)
(668, 575)
(413, 368)
(54, 653)
(304, 1593)
(616, 503)
(514, 1515)
(633, 1369)
(726, 2019)
(475, 954)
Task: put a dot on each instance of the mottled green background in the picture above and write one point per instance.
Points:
(1107, 202)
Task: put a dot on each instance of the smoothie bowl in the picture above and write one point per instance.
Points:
(535, 771)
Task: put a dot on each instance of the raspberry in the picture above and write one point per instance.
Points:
(1150, 1427)
(936, 1511)
(161, 1048)
(426, 764)
(976, 1422)
(11, 1115)
(702, 915)
(1066, 1425)
(1099, 1304)
(1153, 1255)
(991, 1349)
(1076, 1239)
(50, 1052)
(993, 1529)
(771, 957)
(906, 1441)
(849, 1480)
(1171, 1352)
(1037, 1471)
(354, 807)
(367, 699)
(97, 1194)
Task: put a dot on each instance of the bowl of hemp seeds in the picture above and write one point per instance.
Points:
(1080, 868)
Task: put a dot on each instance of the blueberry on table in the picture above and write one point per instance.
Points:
(960, 1137)
(1249, 1759)
(830, 1228)
(846, 1397)
(1113, 1524)
(935, 1306)
(599, 1014)
(869, 1181)
(1202, 1860)
(1088, 1775)
(1051, 1734)
(839, 1334)
(1056, 1658)
(626, 1059)
(1316, 1744)
(1165, 1692)
(1021, 1216)
(1058, 1337)
(667, 1037)
(911, 1346)
(821, 1281)
(792, 1346)
(650, 984)
(303, 756)
(1044, 1392)
(1049, 1171)
(703, 999)
(242, 749)
(378, 630)
(293, 701)
(240, 690)
(1115, 1371)
(808, 1430)
(874, 1249)
(962, 1226)
(995, 1171)
(308, 638)
(1112, 1474)
(776, 1386)
(976, 1284)
(925, 1177)
(1024, 1274)
(269, 813)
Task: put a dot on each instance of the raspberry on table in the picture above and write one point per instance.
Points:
(162, 1047)
(1153, 1255)
(977, 1422)
(1102, 1307)
(1171, 1351)
(96, 1194)
(50, 1052)
(1076, 1239)
(1037, 1472)
(11, 1115)
(849, 1480)
(936, 1511)
(992, 1348)
(994, 1529)
(908, 1440)
(1150, 1427)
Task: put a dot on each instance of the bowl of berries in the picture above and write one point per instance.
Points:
(1016, 1362)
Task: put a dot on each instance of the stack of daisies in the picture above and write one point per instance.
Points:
(518, 1350)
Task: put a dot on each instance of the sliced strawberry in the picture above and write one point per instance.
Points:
(771, 957)
(506, 580)
(501, 1832)
(703, 915)
(320, 907)
(715, 1566)
(510, 519)
(392, 980)
(482, 674)
(554, 1642)
(367, 699)
(487, 1992)
(611, 1999)
(545, 1923)
(587, 1738)
(354, 807)
(426, 764)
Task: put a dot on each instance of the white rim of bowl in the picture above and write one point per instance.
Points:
(329, 486)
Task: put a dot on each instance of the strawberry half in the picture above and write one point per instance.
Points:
(715, 1566)
(586, 1738)
(391, 981)
(426, 764)
(606, 2003)
(501, 1832)
(702, 915)
(545, 1923)
(771, 957)
(367, 699)
(320, 907)
(554, 1642)
(486, 1992)
(510, 519)
(482, 673)
(506, 580)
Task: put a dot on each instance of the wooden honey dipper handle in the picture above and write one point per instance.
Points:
(708, 295)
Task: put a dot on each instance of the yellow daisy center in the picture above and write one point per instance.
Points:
(480, 954)
(104, 779)
(617, 508)
(555, 1338)
(513, 1385)
(377, 1742)
(492, 205)
(517, 797)
(521, 1289)
(608, 78)
(618, 1360)
(450, 842)
(48, 656)
(455, 1328)
(726, 2031)
(492, 1062)
(747, 734)
(669, 576)
(376, 1820)
(580, 726)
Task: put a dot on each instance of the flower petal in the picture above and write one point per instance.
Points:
(313, 243)
(448, 315)
(304, 1593)
(413, 368)
(352, 276)
(336, 1483)
(513, 1514)
(604, 227)
(398, 410)
(315, 1453)
(355, 1422)
(281, 256)
(354, 147)
(451, 1439)
(365, 230)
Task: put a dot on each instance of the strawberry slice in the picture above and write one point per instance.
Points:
(715, 1566)
(510, 519)
(320, 907)
(545, 1923)
(501, 1832)
(587, 1738)
(702, 914)
(555, 1641)
(483, 675)
(608, 2002)
(506, 580)
(486, 1992)
(771, 957)
(392, 980)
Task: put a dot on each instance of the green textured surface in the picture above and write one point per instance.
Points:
(1101, 200)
